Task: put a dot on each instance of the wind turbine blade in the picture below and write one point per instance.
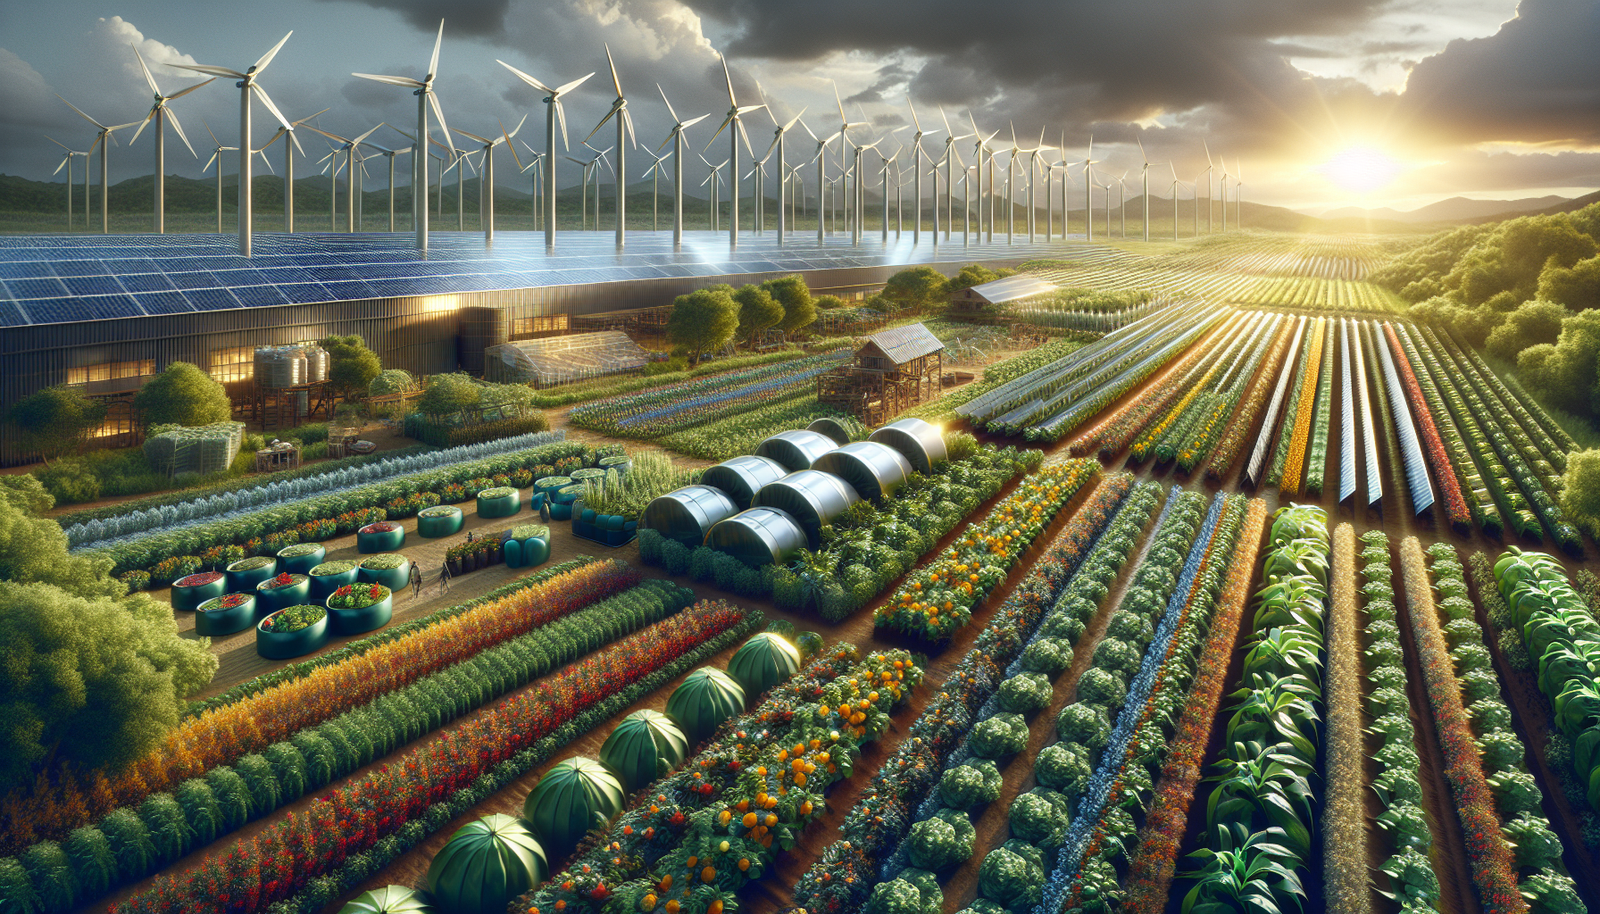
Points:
(770, 146)
(519, 74)
(627, 122)
(331, 136)
(617, 83)
(1202, 143)
(209, 161)
(267, 161)
(808, 131)
(1142, 152)
(842, 118)
(208, 130)
(363, 137)
(833, 136)
(563, 90)
(266, 58)
(178, 127)
(64, 160)
(438, 112)
(85, 116)
(609, 115)
(512, 147)
(667, 103)
(433, 62)
(515, 130)
(406, 81)
(472, 136)
(732, 102)
(213, 71)
(739, 125)
(914, 115)
(181, 93)
(142, 125)
(147, 77)
(792, 121)
(265, 100)
(725, 122)
(295, 139)
(561, 115)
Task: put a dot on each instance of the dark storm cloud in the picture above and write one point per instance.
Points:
(1536, 80)
(890, 76)
(469, 17)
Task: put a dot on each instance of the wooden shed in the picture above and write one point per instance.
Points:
(893, 371)
(982, 298)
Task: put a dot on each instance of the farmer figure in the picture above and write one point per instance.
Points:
(444, 578)
(416, 579)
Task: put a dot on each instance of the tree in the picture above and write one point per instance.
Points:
(95, 681)
(449, 394)
(33, 549)
(1577, 287)
(916, 287)
(53, 421)
(973, 274)
(1580, 493)
(184, 395)
(702, 321)
(25, 491)
(1533, 323)
(829, 302)
(758, 310)
(351, 365)
(798, 308)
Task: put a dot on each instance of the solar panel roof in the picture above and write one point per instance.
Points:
(63, 278)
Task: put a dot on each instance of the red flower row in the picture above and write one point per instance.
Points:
(284, 857)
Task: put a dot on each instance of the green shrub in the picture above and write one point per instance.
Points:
(1013, 875)
(944, 840)
(1040, 817)
(130, 842)
(970, 785)
(1024, 693)
(51, 873)
(1084, 724)
(70, 481)
(233, 797)
(16, 888)
(94, 867)
(169, 830)
(1102, 688)
(1049, 656)
(702, 563)
(1064, 767)
(1000, 736)
(200, 810)
(260, 779)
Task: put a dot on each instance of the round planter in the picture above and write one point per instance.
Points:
(580, 477)
(567, 495)
(368, 543)
(620, 464)
(435, 527)
(365, 619)
(285, 645)
(513, 553)
(324, 584)
(246, 581)
(226, 621)
(503, 506)
(535, 551)
(552, 483)
(300, 564)
(190, 598)
(275, 598)
(559, 511)
(392, 578)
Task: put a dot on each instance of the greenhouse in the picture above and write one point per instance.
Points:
(759, 536)
(563, 359)
(811, 497)
(742, 477)
(919, 442)
(796, 450)
(688, 514)
(575, 795)
(485, 865)
(644, 746)
(874, 470)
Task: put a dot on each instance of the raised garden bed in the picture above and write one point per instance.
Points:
(301, 557)
(292, 632)
(225, 615)
(357, 608)
(605, 529)
(283, 590)
(330, 576)
(391, 570)
(441, 520)
(190, 591)
(245, 574)
(527, 545)
(501, 501)
(383, 536)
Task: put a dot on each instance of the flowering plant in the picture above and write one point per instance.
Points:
(199, 579)
(293, 619)
(358, 596)
(382, 526)
(138, 579)
(227, 601)
(283, 579)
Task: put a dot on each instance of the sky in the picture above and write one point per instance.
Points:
(1316, 104)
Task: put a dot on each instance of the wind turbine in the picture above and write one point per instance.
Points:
(389, 154)
(216, 156)
(1207, 175)
(759, 172)
(675, 137)
(916, 172)
(535, 165)
(1050, 192)
(783, 165)
(426, 98)
(978, 155)
(654, 174)
(1011, 201)
(619, 110)
(288, 167)
(844, 140)
(1223, 187)
(553, 112)
(858, 198)
(1122, 203)
(247, 85)
(1107, 188)
(347, 145)
(883, 181)
(457, 158)
(1144, 173)
(735, 134)
(822, 171)
(160, 114)
(486, 173)
(583, 203)
(950, 158)
(1238, 196)
(332, 171)
(714, 179)
(66, 162)
(1088, 194)
(101, 140)
(1175, 185)
(1033, 168)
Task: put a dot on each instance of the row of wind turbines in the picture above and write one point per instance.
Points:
(848, 187)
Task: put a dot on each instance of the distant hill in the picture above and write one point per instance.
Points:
(1455, 209)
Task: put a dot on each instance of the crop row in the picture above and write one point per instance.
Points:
(743, 432)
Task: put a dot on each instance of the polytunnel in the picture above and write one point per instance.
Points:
(704, 699)
(873, 469)
(759, 536)
(810, 497)
(742, 477)
(917, 441)
(688, 514)
(796, 450)
(833, 428)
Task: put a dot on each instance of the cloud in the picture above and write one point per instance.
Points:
(481, 18)
(1533, 81)
(30, 102)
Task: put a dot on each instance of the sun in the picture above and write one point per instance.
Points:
(1361, 169)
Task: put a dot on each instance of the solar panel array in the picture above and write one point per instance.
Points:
(50, 279)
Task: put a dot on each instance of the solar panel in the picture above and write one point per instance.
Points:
(11, 315)
(198, 279)
(65, 268)
(145, 282)
(92, 285)
(348, 290)
(300, 293)
(36, 288)
(210, 299)
(25, 269)
(258, 296)
(169, 302)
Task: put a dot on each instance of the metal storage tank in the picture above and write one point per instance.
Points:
(919, 442)
(833, 428)
(796, 450)
(688, 514)
(317, 361)
(810, 497)
(759, 536)
(742, 477)
(874, 470)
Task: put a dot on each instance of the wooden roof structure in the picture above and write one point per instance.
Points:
(903, 345)
(1012, 288)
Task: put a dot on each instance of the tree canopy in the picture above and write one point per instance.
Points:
(916, 287)
(351, 365)
(702, 321)
(758, 311)
(792, 293)
(184, 395)
(54, 420)
(1580, 494)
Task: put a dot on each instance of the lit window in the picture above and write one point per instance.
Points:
(230, 365)
(548, 323)
(111, 371)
